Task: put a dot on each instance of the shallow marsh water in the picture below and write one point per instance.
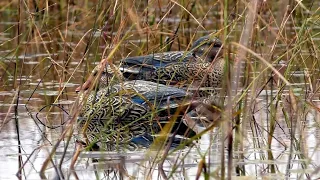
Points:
(41, 78)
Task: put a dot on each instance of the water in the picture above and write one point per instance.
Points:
(50, 68)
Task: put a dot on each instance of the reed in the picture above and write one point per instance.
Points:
(271, 86)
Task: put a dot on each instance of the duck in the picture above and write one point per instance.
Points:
(123, 115)
(178, 67)
(202, 78)
(204, 49)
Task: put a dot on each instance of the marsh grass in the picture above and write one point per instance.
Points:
(61, 41)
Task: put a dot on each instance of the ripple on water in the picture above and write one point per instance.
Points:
(49, 93)
(7, 93)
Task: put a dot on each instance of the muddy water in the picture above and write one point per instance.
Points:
(49, 70)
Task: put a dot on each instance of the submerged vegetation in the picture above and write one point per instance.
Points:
(268, 125)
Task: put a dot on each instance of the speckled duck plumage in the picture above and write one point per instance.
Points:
(117, 114)
(205, 49)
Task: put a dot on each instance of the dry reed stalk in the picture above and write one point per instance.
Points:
(244, 41)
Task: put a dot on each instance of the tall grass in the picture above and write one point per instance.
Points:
(61, 41)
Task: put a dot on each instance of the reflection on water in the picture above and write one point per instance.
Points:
(35, 147)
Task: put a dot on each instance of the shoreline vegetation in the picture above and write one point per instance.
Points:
(271, 85)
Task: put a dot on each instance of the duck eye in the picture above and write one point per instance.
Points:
(217, 44)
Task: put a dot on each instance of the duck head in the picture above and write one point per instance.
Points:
(207, 48)
(104, 75)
